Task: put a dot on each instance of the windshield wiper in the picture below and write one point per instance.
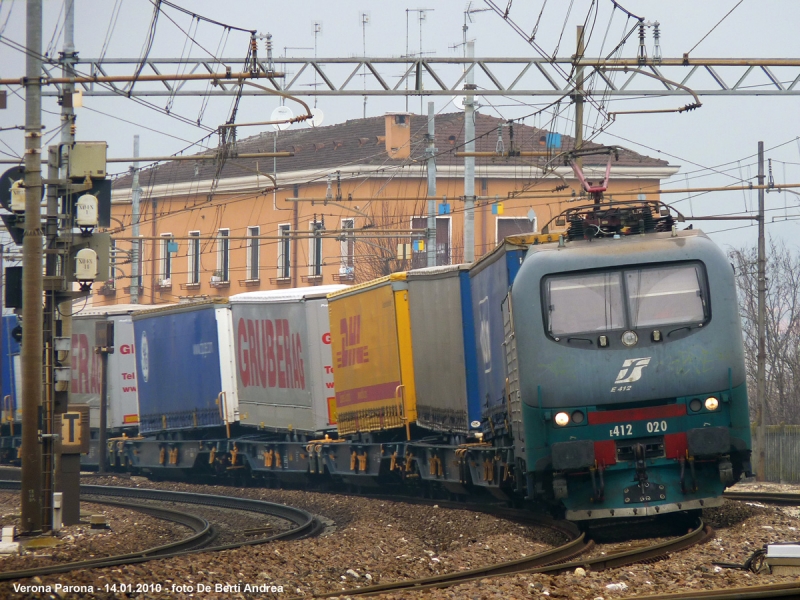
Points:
(689, 327)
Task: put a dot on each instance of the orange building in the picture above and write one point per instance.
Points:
(344, 205)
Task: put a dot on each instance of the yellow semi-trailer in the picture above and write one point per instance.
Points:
(373, 365)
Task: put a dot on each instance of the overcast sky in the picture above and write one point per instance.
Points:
(725, 131)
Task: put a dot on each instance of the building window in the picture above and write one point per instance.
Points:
(165, 259)
(348, 249)
(507, 226)
(223, 255)
(253, 246)
(284, 251)
(194, 257)
(315, 250)
(419, 253)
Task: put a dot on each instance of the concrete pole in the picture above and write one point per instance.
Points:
(136, 246)
(49, 447)
(68, 57)
(761, 400)
(469, 161)
(579, 97)
(103, 434)
(32, 313)
(431, 152)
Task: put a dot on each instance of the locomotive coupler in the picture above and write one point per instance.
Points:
(691, 471)
(598, 492)
(682, 462)
(641, 463)
(725, 470)
(560, 486)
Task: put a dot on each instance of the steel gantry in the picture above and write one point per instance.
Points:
(431, 76)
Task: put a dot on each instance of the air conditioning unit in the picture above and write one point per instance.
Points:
(165, 282)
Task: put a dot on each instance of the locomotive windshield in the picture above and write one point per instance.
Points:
(585, 303)
(625, 298)
(664, 295)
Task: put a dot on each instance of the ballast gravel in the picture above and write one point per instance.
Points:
(376, 541)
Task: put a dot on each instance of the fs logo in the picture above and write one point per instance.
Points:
(485, 335)
(632, 370)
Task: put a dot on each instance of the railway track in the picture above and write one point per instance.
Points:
(777, 590)
(772, 497)
(551, 562)
(305, 525)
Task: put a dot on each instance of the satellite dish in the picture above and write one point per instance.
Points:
(282, 113)
(317, 116)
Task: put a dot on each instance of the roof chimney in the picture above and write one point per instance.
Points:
(398, 134)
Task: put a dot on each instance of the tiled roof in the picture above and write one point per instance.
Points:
(361, 142)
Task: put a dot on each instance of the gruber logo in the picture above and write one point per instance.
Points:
(485, 335)
(351, 353)
(632, 370)
(144, 350)
(270, 354)
(85, 366)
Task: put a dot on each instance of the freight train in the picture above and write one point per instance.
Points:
(598, 372)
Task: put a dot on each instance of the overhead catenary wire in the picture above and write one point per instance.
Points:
(715, 26)
(112, 25)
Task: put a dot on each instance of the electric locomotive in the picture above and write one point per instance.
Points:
(626, 367)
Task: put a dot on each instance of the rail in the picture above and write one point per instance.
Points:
(540, 563)
(305, 525)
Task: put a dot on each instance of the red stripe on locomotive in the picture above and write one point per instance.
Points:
(637, 414)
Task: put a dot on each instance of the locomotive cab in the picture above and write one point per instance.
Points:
(628, 370)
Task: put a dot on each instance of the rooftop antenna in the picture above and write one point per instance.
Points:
(468, 12)
(364, 22)
(458, 101)
(317, 33)
(421, 12)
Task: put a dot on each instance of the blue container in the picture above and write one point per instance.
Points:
(9, 357)
(490, 279)
(184, 363)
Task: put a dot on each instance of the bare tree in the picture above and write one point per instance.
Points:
(782, 392)
(377, 256)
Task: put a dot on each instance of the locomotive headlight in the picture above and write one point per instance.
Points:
(629, 338)
(712, 403)
(695, 404)
(562, 419)
(577, 417)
